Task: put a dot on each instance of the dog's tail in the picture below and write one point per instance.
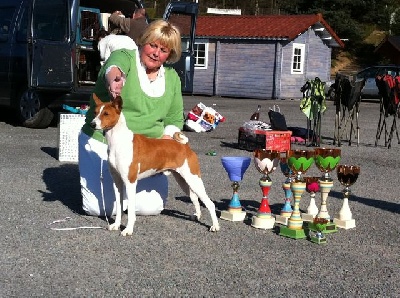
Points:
(175, 133)
(180, 138)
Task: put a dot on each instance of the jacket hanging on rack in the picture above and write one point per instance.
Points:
(389, 89)
(313, 101)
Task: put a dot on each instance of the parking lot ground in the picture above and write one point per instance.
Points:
(171, 255)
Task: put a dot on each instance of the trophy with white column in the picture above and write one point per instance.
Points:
(266, 162)
(347, 176)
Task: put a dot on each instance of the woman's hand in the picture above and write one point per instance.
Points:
(115, 80)
(116, 85)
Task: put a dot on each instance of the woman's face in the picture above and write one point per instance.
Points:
(153, 55)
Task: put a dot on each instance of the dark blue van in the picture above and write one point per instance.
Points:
(47, 54)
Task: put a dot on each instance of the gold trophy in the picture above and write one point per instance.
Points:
(326, 160)
(299, 161)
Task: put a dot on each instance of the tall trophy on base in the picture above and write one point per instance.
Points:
(347, 176)
(312, 187)
(286, 210)
(299, 161)
(326, 160)
(235, 166)
(266, 162)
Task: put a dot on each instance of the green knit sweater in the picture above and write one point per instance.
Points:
(144, 114)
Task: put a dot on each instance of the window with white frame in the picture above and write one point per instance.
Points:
(298, 58)
(201, 55)
(184, 45)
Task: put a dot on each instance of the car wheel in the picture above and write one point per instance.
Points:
(32, 112)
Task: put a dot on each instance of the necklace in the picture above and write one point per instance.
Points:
(152, 76)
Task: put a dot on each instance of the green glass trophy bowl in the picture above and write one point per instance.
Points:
(326, 160)
(300, 161)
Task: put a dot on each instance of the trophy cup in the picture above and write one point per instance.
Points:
(320, 226)
(299, 162)
(235, 166)
(286, 210)
(266, 162)
(347, 176)
(312, 187)
(326, 160)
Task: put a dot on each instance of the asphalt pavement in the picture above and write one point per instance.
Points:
(172, 255)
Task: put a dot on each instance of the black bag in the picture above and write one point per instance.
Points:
(301, 132)
(277, 119)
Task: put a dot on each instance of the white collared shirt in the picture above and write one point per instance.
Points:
(155, 88)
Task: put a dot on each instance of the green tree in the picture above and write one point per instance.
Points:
(395, 25)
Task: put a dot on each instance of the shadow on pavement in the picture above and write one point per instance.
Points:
(387, 206)
(52, 151)
(62, 184)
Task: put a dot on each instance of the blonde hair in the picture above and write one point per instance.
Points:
(167, 34)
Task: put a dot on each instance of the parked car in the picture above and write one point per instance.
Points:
(48, 57)
(370, 90)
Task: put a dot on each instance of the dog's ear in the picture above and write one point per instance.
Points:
(97, 100)
(117, 102)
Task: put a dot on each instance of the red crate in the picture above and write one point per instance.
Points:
(268, 139)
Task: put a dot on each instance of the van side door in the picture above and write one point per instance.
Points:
(184, 16)
(9, 11)
(51, 64)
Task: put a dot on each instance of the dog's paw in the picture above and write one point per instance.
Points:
(113, 227)
(214, 228)
(127, 232)
(196, 216)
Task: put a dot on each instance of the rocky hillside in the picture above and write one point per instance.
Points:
(346, 63)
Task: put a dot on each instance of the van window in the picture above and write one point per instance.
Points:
(50, 20)
(6, 14)
(23, 26)
(89, 24)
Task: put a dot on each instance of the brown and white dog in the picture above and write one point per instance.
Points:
(132, 157)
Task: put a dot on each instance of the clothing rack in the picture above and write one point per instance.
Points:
(313, 105)
(347, 101)
(389, 91)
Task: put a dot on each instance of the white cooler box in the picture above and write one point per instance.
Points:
(68, 130)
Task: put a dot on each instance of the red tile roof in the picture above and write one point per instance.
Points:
(264, 27)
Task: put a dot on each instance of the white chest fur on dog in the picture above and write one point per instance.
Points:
(133, 157)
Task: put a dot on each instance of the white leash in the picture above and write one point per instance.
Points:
(71, 229)
(102, 192)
